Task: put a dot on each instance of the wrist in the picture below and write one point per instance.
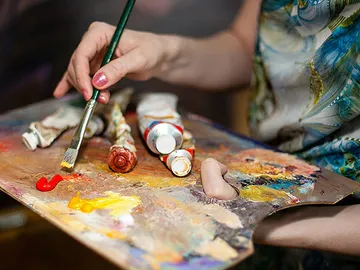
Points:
(174, 58)
(172, 47)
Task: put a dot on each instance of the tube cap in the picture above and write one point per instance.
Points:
(181, 166)
(30, 140)
(165, 144)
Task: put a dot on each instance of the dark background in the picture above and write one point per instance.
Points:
(37, 38)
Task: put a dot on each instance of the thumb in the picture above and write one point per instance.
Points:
(110, 74)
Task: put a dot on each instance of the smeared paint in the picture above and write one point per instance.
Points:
(171, 257)
(219, 213)
(272, 165)
(266, 194)
(282, 185)
(306, 188)
(162, 182)
(116, 235)
(76, 177)
(118, 205)
(218, 249)
(43, 185)
(4, 147)
(195, 263)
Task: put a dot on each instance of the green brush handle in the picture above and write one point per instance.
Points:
(115, 39)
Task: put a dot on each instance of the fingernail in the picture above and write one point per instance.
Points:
(102, 99)
(85, 94)
(100, 79)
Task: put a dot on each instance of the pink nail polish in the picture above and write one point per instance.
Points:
(100, 79)
(85, 94)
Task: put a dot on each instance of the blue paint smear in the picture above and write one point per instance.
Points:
(306, 188)
(282, 185)
(302, 186)
(189, 263)
(198, 263)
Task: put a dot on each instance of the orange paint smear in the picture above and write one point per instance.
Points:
(4, 147)
(76, 177)
(260, 162)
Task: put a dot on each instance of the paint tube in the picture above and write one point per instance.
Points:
(159, 122)
(122, 157)
(95, 127)
(99, 121)
(43, 133)
(180, 161)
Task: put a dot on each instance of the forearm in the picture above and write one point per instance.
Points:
(221, 61)
(217, 62)
(330, 228)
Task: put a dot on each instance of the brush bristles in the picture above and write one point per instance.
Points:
(69, 159)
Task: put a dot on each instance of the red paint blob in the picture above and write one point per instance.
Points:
(43, 185)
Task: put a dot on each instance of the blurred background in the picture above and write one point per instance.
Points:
(37, 38)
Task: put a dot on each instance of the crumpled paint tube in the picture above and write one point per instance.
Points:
(102, 114)
(43, 133)
(122, 157)
(180, 161)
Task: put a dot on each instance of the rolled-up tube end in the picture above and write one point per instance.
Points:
(122, 160)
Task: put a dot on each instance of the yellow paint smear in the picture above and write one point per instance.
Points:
(264, 194)
(119, 205)
(218, 249)
(65, 164)
(162, 182)
(116, 235)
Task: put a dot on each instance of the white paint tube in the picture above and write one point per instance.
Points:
(159, 122)
(43, 133)
(180, 161)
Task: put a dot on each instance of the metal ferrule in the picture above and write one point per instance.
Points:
(81, 129)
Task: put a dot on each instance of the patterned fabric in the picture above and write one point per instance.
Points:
(307, 81)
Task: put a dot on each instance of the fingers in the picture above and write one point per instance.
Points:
(108, 75)
(81, 67)
(88, 56)
(213, 182)
(104, 97)
(93, 42)
(62, 87)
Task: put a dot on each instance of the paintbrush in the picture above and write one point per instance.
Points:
(72, 152)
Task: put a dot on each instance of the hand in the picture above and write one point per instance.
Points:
(139, 56)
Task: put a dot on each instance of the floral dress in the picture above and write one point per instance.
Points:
(306, 99)
(307, 81)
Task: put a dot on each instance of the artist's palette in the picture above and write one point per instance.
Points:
(149, 219)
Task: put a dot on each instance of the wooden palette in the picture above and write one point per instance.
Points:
(174, 225)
